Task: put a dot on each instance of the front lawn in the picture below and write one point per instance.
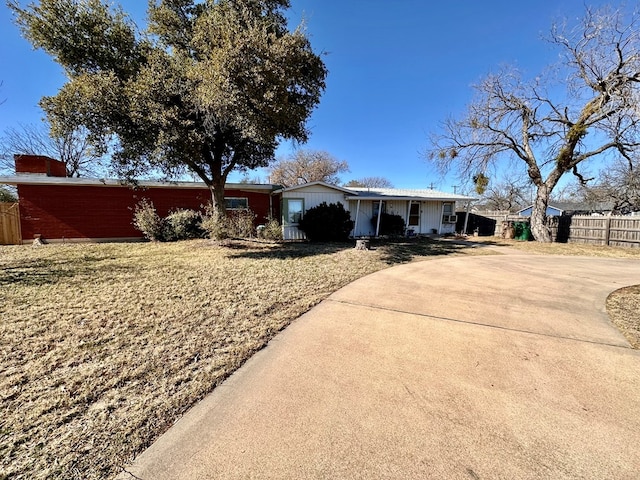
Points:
(104, 346)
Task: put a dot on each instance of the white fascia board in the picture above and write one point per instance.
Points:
(29, 179)
(414, 199)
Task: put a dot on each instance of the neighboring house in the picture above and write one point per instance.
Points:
(572, 208)
(59, 208)
(552, 211)
(424, 211)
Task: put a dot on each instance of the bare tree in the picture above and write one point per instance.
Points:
(371, 182)
(597, 116)
(72, 148)
(508, 194)
(306, 166)
(618, 186)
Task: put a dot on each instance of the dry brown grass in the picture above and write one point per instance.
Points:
(624, 309)
(103, 347)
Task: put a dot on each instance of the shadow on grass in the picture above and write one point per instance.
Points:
(287, 250)
(47, 272)
(392, 251)
(406, 250)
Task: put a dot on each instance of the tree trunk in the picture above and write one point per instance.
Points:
(541, 232)
(217, 199)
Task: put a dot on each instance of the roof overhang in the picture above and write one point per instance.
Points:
(39, 179)
(311, 184)
(383, 198)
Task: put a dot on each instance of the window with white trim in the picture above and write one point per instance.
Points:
(292, 210)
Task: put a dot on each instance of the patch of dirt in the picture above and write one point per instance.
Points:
(623, 307)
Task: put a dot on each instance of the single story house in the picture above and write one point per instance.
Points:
(424, 211)
(58, 208)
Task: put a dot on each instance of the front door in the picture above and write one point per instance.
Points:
(414, 217)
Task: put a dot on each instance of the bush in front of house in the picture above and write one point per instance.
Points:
(242, 223)
(237, 224)
(389, 224)
(147, 220)
(216, 226)
(272, 230)
(326, 223)
(182, 224)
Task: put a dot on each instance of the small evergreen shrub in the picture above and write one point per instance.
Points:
(182, 224)
(326, 223)
(389, 224)
(147, 220)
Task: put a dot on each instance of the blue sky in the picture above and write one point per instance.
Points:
(396, 70)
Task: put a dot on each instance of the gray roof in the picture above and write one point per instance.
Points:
(364, 193)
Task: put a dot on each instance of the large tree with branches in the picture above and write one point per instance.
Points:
(584, 109)
(210, 87)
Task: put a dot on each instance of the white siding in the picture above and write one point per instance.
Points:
(313, 196)
(430, 215)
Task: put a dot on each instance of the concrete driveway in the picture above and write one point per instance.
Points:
(488, 367)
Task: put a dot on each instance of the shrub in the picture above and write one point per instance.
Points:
(147, 220)
(389, 224)
(182, 224)
(7, 195)
(272, 230)
(326, 223)
(237, 224)
(215, 226)
(242, 223)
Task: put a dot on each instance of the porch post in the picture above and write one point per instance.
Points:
(355, 223)
(466, 218)
(406, 218)
(379, 215)
(441, 215)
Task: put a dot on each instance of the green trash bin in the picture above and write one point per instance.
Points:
(522, 231)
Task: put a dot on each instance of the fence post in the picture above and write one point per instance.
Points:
(607, 231)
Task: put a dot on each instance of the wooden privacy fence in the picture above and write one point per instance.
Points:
(10, 224)
(617, 231)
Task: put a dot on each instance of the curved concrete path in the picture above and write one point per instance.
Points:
(487, 367)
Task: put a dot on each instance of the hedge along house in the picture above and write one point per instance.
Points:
(425, 212)
(58, 208)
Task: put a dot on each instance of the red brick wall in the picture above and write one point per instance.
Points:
(39, 164)
(66, 211)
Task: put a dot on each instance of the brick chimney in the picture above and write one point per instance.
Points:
(39, 165)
